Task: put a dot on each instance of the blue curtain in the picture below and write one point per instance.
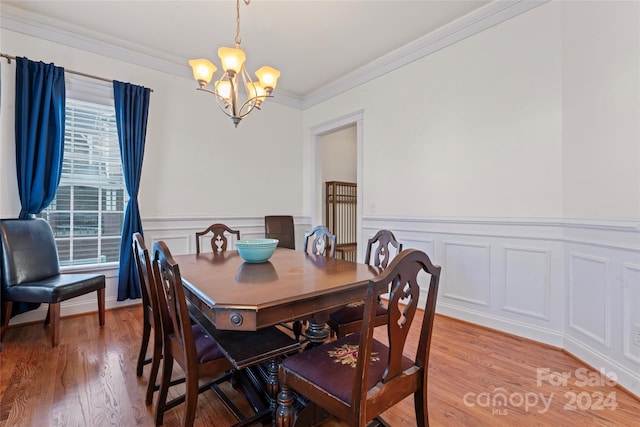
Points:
(39, 137)
(132, 107)
(39, 121)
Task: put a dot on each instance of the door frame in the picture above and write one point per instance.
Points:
(333, 125)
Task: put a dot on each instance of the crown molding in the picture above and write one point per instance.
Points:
(486, 17)
(73, 36)
(479, 20)
(42, 27)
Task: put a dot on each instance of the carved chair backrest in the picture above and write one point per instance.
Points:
(219, 241)
(320, 241)
(176, 323)
(402, 275)
(146, 278)
(383, 241)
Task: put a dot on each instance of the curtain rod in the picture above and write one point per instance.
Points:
(10, 58)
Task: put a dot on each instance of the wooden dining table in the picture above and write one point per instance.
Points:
(225, 293)
(291, 285)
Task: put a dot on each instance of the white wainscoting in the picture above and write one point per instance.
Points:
(631, 312)
(468, 278)
(179, 233)
(527, 283)
(573, 284)
(589, 305)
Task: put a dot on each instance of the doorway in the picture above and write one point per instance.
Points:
(337, 156)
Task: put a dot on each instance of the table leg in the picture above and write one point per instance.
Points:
(285, 415)
(272, 387)
(317, 332)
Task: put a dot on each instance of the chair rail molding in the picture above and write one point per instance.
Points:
(569, 283)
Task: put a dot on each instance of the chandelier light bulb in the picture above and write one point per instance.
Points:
(223, 89)
(268, 77)
(203, 70)
(232, 59)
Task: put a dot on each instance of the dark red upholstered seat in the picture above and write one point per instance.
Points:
(381, 249)
(339, 358)
(353, 313)
(206, 347)
(356, 378)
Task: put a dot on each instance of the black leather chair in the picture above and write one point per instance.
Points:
(31, 273)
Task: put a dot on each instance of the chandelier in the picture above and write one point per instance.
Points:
(227, 90)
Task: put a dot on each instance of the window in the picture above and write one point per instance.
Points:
(87, 213)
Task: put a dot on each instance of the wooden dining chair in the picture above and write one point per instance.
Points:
(320, 241)
(150, 315)
(357, 377)
(219, 241)
(196, 352)
(381, 248)
(280, 227)
(199, 354)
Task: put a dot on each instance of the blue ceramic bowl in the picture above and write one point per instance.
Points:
(256, 250)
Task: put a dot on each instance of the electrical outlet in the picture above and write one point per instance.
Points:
(635, 337)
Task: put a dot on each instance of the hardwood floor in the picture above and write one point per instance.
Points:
(90, 380)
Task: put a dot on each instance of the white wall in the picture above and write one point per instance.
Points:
(338, 152)
(511, 157)
(479, 136)
(515, 164)
(197, 166)
(193, 153)
(601, 109)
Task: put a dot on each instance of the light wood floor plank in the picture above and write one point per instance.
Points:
(89, 380)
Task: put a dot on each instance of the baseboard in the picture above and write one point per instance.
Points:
(624, 377)
(520, 329)
(71, 308)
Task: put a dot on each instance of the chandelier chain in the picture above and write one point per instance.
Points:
(238, 40)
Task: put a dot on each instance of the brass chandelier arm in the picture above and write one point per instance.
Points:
(248, 101)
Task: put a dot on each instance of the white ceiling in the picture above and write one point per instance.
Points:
(311, 42)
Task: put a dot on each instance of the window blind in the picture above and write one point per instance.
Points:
(87, 213)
